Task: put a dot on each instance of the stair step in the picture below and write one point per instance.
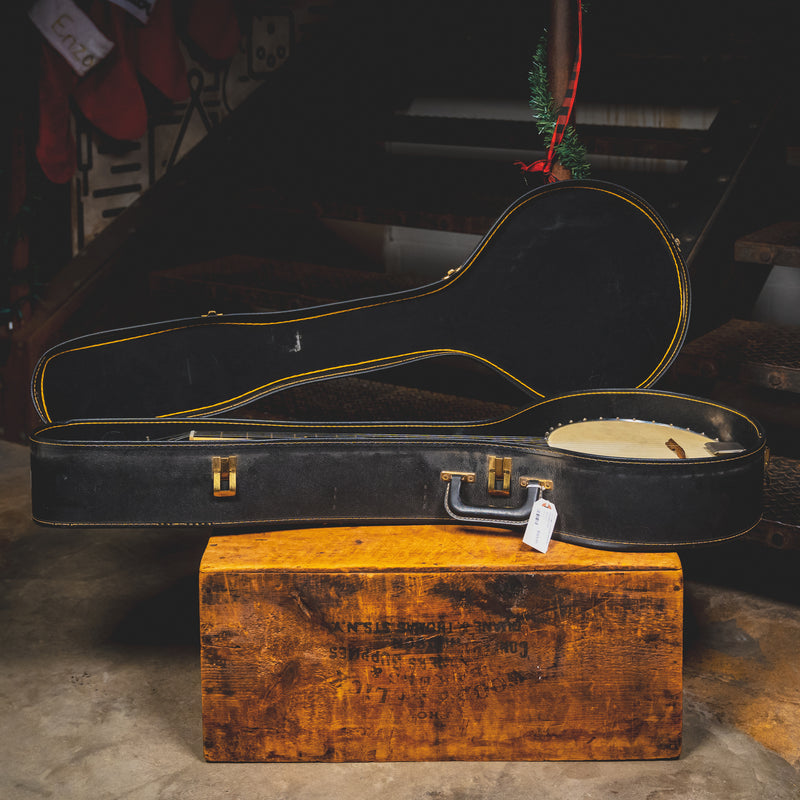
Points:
(780, 526)
(439, 193)
(516, 135)
(749, 352)
(777, 244)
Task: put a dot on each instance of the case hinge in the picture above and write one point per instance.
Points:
(223, 469)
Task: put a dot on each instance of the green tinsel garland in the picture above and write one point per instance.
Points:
(571, 154)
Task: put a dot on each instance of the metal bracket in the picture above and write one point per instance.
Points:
(544, 483)
(467, 477)
(223, 469)
(499, 476)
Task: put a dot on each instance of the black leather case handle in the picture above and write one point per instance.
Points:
(459, 510)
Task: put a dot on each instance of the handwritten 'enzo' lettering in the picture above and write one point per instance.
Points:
(61, 28)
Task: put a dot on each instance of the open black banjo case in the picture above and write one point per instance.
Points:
(577, 295)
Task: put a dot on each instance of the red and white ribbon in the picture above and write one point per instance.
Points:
(564, 112)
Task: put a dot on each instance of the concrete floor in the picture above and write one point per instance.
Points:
(100, 683)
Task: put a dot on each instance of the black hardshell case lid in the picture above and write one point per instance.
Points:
(578, 285)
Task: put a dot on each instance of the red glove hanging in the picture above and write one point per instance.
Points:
(214, 28)
(110, 95)
(157, 55)
(55, 148)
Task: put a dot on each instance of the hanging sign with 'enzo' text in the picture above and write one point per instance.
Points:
(71, 33)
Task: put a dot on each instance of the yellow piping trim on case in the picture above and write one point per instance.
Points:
(389, 424)
(344, 370)
(474, 424)
(652, 394)
(682, 320)
(587, 540)
(510, 445)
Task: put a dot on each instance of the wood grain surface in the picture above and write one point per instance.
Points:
(436, 643)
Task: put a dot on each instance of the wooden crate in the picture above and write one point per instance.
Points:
(436, 643)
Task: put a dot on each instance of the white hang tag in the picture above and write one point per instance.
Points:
(141, 9)
(71, 33)
(540, 525)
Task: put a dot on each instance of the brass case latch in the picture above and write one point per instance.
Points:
(223, 469)
(499, 476)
